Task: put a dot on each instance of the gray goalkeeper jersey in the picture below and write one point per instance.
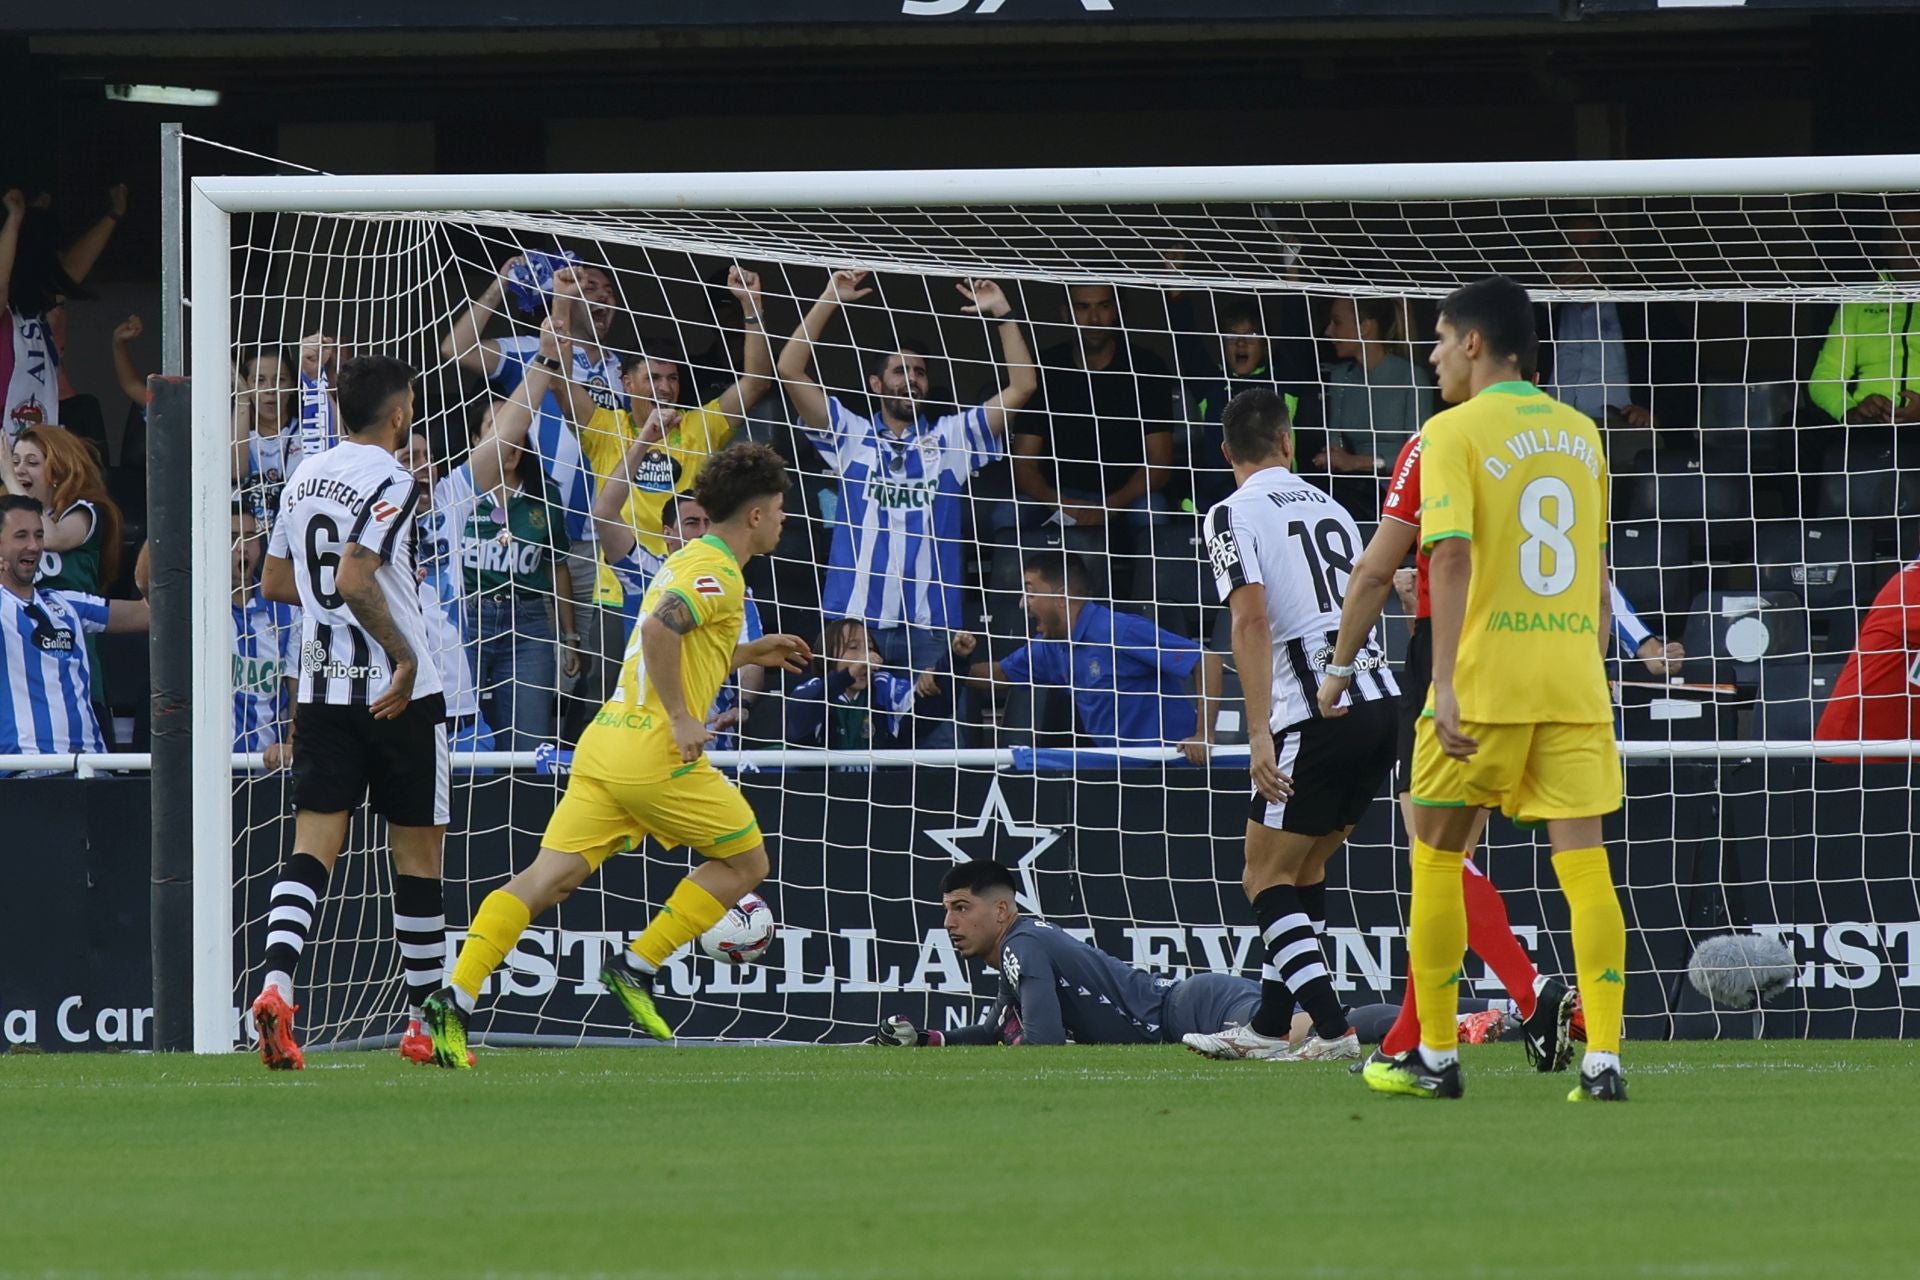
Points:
(1052, 986)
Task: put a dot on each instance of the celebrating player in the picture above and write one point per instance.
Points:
(640, 769)
(369, 723)
(1282, 551)
(1514, 514)
(1546, 1004)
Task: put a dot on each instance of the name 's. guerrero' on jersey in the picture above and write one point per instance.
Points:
(1300, 545)
(359, 494)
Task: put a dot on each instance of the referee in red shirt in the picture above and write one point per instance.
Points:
(1877, 696)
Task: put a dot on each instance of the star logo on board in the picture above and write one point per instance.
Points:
(995, 824)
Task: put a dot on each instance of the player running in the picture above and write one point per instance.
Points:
(1514, 514)
(370, 721)
(1546, 1005)
(640, 769)
(1282, 552)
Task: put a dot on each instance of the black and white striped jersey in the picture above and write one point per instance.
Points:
(352, 493)
(1301, 545)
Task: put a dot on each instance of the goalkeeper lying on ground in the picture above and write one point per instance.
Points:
(1054, 987)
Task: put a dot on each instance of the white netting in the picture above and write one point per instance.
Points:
(1746, 527)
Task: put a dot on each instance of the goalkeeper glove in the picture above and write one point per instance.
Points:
(900, 1032)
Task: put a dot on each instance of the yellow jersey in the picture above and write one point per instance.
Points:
(1523, 477)
(631, 740)
(670, 467)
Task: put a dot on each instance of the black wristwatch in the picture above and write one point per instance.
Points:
(548, 362)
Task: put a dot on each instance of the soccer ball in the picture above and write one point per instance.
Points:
(743, 934)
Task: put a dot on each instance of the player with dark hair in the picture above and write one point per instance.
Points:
(641, 769)
(1514, 516)
(1054, 987)
(1127, 675)
(1546, 1005)
(1282, 551)
(369, 723)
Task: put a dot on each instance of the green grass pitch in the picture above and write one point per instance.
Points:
(1732, 1160)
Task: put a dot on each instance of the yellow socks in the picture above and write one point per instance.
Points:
(498, 924)
(689, 912)
(1599, 942)
(1436, 944)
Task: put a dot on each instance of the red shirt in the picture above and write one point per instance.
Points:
(1403, 504)
(1878, 693)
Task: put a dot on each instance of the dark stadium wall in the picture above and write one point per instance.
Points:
(73, 924)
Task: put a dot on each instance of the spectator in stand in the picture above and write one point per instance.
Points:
(554, 436)
(1877, 697)
(683, 520)
(283, 411)
(1127, 675)
(1097, 446)
(1612, 360)
(133, 383)
(1377, 397)
(1868, 369)
(1214, 370)
(58, 469)
(440, 606)
(82, 547)
(852, 702)
(133, 432)
(36, 279)
(677, 441)
(495, 517)
(265, 644)
(266, 652)
(1661, 656)
(266, 440)
(895, 563)
(47, 671)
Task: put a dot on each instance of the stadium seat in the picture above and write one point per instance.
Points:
(1655, 565)
(1680, 491)
(1727, 489)
(127, 688)
(1736, 632)
(1830, 564)
(1182, 580)
(1633, 496)
(1784, 705)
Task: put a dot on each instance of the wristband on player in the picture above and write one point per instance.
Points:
(548, 362)
(1335, 669)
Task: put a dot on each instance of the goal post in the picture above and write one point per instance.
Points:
(1261, 230)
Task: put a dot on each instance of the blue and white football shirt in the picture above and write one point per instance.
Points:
(896, 538)
(266, 645)
(44, 708)
(553, 440)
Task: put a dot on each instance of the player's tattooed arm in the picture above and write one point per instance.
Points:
(357, 586)
(675, 613)
(661, 637)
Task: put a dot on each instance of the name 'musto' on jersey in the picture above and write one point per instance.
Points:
(352, 493)
(1297, 542)
(1524, 478)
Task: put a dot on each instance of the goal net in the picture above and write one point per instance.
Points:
(1021, 499)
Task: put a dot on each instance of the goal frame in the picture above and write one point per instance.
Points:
(213, 201)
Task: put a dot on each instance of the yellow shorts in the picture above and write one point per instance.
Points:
(1532, 772)
(598, 817)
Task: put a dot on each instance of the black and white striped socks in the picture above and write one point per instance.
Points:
(420, 927)
(1295, 962)
(291, 909)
